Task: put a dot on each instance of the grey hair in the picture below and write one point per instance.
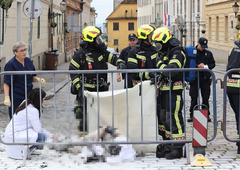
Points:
(17, 45)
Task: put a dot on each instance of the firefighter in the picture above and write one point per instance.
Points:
(233, 84)
(174, 58)
(92, 55)
(143, 54)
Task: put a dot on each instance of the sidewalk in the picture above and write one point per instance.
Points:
(60, 81)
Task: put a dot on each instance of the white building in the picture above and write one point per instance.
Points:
(152, 12)
(146, 12)
(104, 28)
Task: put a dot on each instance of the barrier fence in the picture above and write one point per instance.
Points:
(140, 91)
(225, 107)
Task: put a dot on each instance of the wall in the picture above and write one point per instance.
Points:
(39, 45)
(123, 32)
(146, 12)
(222, 42)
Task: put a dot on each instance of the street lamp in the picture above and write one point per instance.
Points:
(198, 22)
(63, 7)
(236, 9)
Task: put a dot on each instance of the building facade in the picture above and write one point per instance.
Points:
(146, 12)
(16, 28)
(220, 28)
(121, 22)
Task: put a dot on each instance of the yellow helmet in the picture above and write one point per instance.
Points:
(144, 30)
(161, 34)
(90, 32)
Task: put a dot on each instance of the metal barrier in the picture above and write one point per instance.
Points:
(225, 103)
(111, 72)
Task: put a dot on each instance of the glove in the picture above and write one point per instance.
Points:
(158, 77)
(7, 101)
(42, 80)
(173, 74)
(121, 65)
(79, 92)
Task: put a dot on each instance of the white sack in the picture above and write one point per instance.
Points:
(120, 113)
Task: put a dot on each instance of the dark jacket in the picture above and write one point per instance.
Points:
(175, 59)
(124, 54)
(142, 56)
(206, 58)
(233, 83)
(91, 58)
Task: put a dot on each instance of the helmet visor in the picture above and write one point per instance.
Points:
(158, 46)
(99, 40)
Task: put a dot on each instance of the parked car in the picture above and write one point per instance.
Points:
(111, 50)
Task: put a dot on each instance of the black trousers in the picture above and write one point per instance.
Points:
(129, 83)
(205, 91)
(234, 102)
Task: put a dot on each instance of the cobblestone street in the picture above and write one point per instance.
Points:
(221, 153)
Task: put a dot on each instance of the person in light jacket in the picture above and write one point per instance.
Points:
(22, 124)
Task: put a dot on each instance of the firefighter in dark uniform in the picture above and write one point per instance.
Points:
(92, 55)
(204, 60)
(132, 40)
(233, 84)
(143, 54)
(174, 58)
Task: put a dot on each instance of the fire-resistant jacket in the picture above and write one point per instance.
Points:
(174, 59)
(233, 83)
(142, 56)
(91, 59)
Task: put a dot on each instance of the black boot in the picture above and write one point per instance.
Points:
(190, 119)
(162, 150)
(238, 152)
(176, 153)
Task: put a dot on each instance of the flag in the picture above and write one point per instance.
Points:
(167, 20)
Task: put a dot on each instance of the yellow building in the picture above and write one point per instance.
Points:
(220, 28)
(121, 22)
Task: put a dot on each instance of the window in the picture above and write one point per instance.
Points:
(180, 6)
(226, 28)
(130, 26)
(173, 7)
(115, 26)
(57, 24)
(193, 4)
(38, 28)
(177, 8)
(185, 7)
(209, 28)
(53, 28)
(166, 7)
(198, 7)
(217, 28)
(2, 26)
(115, 42)
(231, 27)
(62, 25)
(59, 21)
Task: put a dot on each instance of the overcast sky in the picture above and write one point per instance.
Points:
(104, 8)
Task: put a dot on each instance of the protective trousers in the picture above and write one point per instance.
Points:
(204, 85)
(79, 112)
(173, 117)
(161, 112)
(234, 102)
